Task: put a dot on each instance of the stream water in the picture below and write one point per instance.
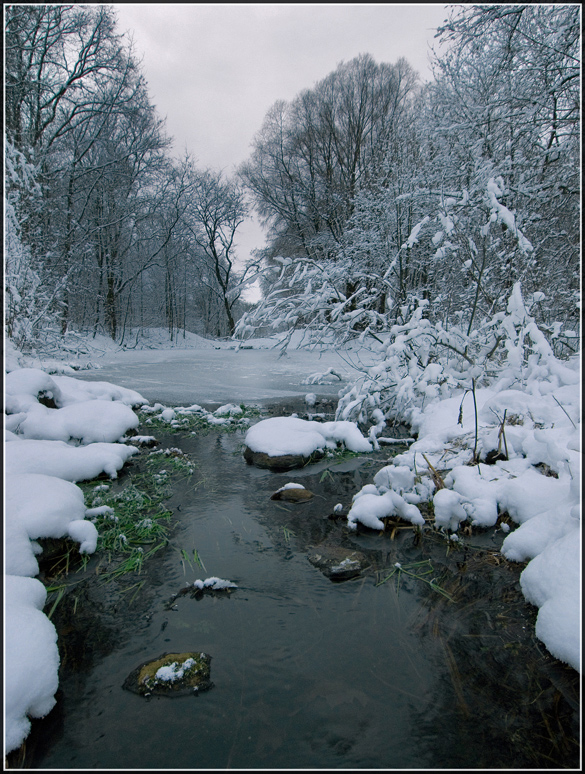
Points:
(307, 672)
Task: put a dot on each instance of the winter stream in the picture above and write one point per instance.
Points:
(307, 672)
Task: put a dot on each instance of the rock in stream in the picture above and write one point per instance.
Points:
(171, 674)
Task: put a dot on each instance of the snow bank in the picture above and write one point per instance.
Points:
(75, 391)
(31, 658)
(24, 387)
(43, 506)
(290, 435)
(530, 414)
(543, 500)
(41, 501)
(90, 422)
(72, 463)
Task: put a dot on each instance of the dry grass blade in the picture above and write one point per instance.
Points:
(437, 478)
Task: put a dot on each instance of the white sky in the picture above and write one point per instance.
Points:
(214, 70)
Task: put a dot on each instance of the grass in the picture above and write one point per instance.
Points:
(202, 421)
(160, 461)
(132, 522)
(137, 523)
(419, 571)
(193, 561)
(288, 533)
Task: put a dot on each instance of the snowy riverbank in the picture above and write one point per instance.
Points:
(60, 429)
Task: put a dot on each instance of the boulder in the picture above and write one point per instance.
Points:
(280, 462)
(337, 563)
(292, 493)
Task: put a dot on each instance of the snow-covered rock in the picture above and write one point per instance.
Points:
(290, 435)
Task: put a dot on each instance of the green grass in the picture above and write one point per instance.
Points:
(288, 533)
(192, 561)
(419, 571)
(200, 421)
(164, 462)
(137, 524)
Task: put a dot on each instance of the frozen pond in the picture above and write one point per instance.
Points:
(184, 377)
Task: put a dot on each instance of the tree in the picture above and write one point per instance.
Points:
(26, 306)
(54, 55)
(477, 192)
(216, 210)
(506, 98)
(313, 155)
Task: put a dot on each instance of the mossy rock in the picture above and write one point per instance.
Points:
(171, 674)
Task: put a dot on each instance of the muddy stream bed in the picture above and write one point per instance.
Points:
(307, 671)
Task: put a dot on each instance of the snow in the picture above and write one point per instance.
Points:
(528, 408)
(73, 463)
(31, 655)
(371, 506)
(503, 214)
(44, 506)
(547, 507)
(214, 583)
(47, 450)
(290, 485)
(290, 435)
(88, 422)
(174, 671)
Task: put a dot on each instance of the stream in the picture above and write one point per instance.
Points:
(307, 672)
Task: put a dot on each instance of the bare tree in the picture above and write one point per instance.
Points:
(217, 210)
(314, 154)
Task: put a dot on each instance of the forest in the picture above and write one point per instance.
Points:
(426, 235)
(382, 197)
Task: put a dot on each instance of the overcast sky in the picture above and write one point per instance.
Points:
(214, 70)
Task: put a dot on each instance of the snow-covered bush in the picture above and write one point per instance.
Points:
(423, 363)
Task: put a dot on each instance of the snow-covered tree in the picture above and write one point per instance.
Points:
(117, 230)
(25, 305)
(505, 104)
(477, 192)
(313, 154)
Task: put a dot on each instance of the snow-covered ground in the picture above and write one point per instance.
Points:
(76, 436)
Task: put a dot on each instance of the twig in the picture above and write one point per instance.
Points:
(439, 483)
(476, 428)
(502, 434)
(561, 407)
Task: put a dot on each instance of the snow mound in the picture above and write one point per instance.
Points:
(369, 507)
(24, 387)
(290, 435)
(42, 506)
(72, 463)
(96, 421)
(31, 657)
(44, 413)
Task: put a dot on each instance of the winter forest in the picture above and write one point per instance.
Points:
(382, 198)
(422, 248)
